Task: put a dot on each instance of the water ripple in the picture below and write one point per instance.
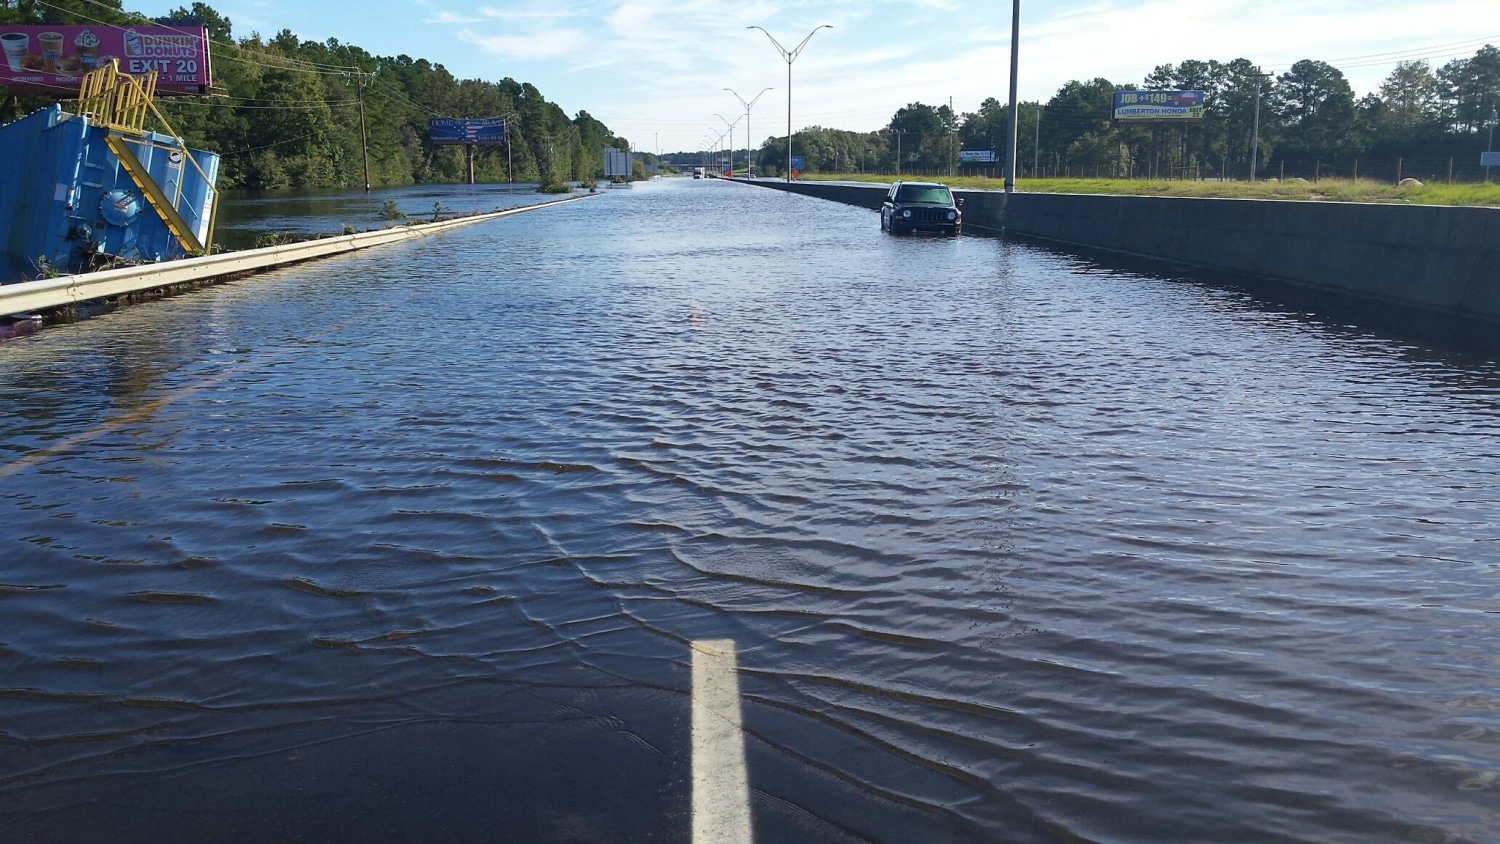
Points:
(1013, 546)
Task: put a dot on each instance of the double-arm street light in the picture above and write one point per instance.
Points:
(750, 162)
(718, 147)
(730, 131)
(791, 56)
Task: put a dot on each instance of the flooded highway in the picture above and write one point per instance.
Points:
(481, 538)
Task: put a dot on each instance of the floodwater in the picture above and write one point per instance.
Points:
(419, 544)
(248, 218)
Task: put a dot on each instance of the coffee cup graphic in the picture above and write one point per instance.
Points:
(16, 45)
(52, 47)
(88, 49)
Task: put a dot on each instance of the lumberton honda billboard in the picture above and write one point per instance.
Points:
(1158, 106)
(51, 59)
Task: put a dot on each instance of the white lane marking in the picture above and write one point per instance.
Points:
(721, 790)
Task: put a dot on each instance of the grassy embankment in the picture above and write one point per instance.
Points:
(1325, 190)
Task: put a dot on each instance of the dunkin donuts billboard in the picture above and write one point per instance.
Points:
(51, 59)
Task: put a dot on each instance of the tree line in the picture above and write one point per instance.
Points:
(286, 111)
(1310, 123)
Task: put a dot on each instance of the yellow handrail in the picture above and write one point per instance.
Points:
(117, 100)
(120, 102)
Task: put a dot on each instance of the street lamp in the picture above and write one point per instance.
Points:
(749, 163)
(730, 130)
(791, 56)
(719, 146)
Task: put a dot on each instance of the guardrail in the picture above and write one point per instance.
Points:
(67, 290)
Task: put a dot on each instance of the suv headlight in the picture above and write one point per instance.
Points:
(906, 213)
(952, 215)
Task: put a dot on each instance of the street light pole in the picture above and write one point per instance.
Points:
(749, 163)
(791, 56)
(730, 130)
(1012, 126)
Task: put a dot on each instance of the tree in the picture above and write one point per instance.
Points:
(1316, 108)
(1408, 100)
(63, 12)
(923, 136)
(1077, 109)
(1468, 89)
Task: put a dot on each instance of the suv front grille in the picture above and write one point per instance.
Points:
(929, 215)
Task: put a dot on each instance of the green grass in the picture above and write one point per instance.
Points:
(1325, 190)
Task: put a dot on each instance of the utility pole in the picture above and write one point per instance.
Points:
(1494, 118)
(952, 137)
(1255, 132)
(1036, 145)
(360, 79)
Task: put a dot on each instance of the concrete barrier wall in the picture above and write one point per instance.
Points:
(865, 196)
(1439, 259)
(1444, 260)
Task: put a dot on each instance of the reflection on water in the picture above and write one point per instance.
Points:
(1012, 546)
(246, 217)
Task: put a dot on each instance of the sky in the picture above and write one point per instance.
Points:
(655, 71)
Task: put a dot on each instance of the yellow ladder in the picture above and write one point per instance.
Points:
(158, 199)
(120, 103)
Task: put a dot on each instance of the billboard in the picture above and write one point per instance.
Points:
(1489, 159)
(978, 156)
(1158, 106)
(50, 59)
(463, 131)
(616, 162)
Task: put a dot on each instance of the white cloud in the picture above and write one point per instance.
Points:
(545, 44)
(525, 14)
(451, 17)
(660, 66)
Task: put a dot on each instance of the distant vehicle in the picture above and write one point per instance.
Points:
(920, 206)
(697, 172)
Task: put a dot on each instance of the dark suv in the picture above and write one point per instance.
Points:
(920, 206)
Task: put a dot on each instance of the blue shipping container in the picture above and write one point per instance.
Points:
(68, 203)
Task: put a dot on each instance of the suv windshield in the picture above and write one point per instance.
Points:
(935, 194)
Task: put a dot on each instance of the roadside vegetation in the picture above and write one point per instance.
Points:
(286, 113)
(1423, 121)
(1325, 190)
